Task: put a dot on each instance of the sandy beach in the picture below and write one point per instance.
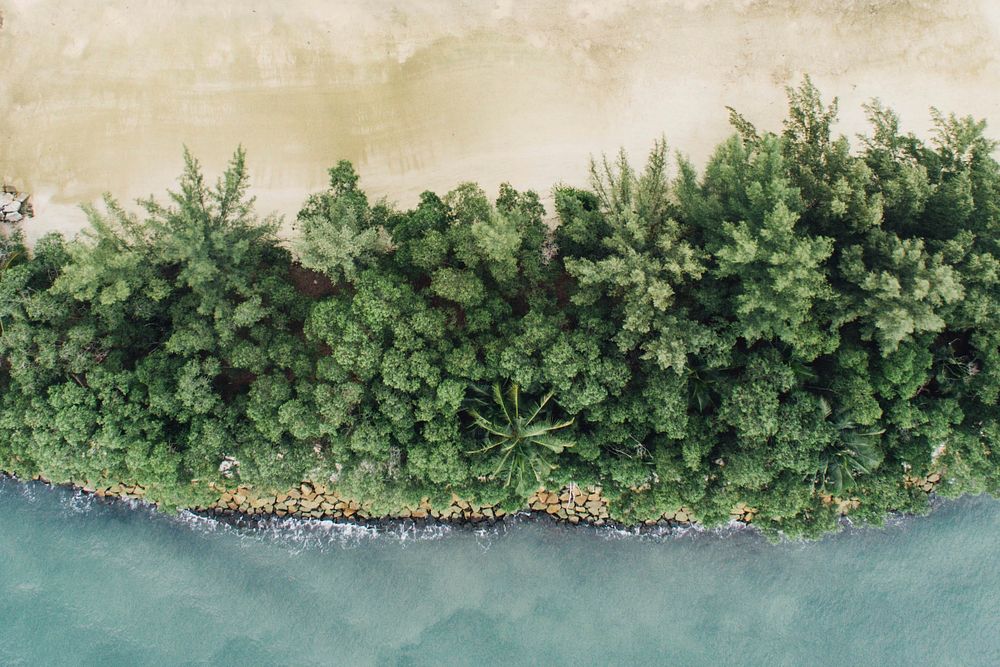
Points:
(423, 95)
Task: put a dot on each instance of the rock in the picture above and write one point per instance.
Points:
(681, 516)
(419, 514)
(6, 198)
(23, 197)
(928, 487)
(934, 477)
(538, 506)
(574, 519)
(12, 207)
(13, 217)
(552, 509)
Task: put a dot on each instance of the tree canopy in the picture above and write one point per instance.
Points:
(798, 320)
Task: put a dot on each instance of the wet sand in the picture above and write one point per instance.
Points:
(100, 96)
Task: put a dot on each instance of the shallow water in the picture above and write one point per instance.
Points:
(83, 581)
(422, 94)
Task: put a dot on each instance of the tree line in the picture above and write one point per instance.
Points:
(797, 321)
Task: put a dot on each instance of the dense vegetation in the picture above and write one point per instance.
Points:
(798, 321)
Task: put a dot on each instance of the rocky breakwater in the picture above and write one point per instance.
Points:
(14, 205)
(312, 500)
(571, 504)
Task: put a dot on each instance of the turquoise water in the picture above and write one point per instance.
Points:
(84, 582)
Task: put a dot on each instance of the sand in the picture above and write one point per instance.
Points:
(101, 96)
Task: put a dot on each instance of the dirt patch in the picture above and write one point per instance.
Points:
(312, 284)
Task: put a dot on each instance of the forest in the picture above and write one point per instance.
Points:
(798, 320)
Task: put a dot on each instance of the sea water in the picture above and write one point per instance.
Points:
(84, 581)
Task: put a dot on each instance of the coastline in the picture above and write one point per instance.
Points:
(311, 501)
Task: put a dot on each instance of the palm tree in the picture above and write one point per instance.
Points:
(854, 452)
(524, 440)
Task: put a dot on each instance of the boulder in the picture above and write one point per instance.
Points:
(13, 217)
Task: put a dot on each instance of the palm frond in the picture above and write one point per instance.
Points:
(522, 445)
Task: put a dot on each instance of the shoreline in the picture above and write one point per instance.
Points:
(543, 506)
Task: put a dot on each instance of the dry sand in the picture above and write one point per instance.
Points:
(100, 96)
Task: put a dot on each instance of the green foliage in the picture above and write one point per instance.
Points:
(797, 320)
(522, 437)
(854, 451)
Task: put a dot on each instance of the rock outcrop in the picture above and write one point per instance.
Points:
(14, 205)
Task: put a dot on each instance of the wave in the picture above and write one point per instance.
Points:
(301, 534)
